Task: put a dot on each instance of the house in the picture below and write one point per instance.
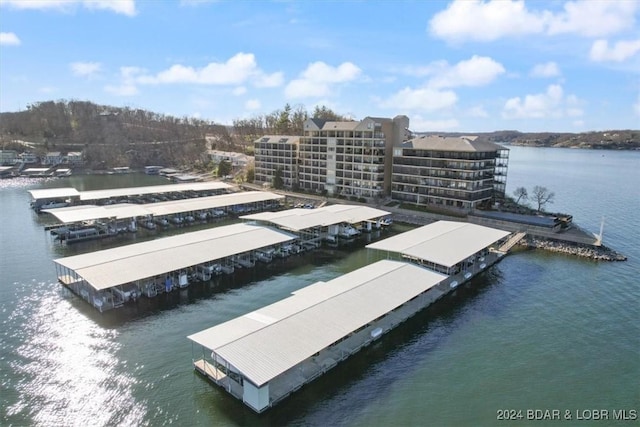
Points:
(53, 158)
(74, 158)
(8, 157)
(237, 160)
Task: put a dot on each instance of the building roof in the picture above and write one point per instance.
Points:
(300, 219)
(451, 143)
(279, 139)
(443, 242)
(54, 193)
(117, 266)
(267, 342)
(152, 189)
(129, 210)
(50, 193)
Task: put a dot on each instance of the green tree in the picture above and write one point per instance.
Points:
(251, 174)
(224, 168)
(541, 196)
(278, 181)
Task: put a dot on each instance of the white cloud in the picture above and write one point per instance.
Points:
(124, 7)
(459, 21)
(477, 71)
(550, 104)
(240, 90)
(423, 99)
(127, 86)
(269, 80)
(548, 69)
(622, 50)
(478, 111)
(9, 39)
(85, 69)
(593, 18)
(507, 18)
(318, 79)
(237, 70)
(252, 104)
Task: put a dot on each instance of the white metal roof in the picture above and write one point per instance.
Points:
(300, 219)
(54, 193)
(211, 202)
(152, 189)
(443, 242)
(117, 266)
(129, 210)
(267, 342)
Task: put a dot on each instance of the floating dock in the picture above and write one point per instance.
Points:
(264, 356)
(107, 279)
(109, 220)
(71, 196)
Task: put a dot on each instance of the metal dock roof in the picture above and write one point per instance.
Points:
(54, 193)
(112, 267)
(152, 189)
(129, 210)
(267, 342)
(300, 219)
(443, 242)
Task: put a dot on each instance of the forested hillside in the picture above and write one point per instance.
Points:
(110, 136)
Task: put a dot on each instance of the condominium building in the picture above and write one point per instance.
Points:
(351, 159)
(273, 153)
(453, 172)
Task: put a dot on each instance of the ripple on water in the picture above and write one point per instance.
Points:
(68, 367)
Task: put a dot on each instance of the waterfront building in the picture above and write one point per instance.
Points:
(74, 158)
(453, 172)
(273, 153)
(237, 160)
(53, 158)
(8, 157)
(352, 158)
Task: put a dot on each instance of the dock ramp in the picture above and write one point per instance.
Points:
(512, 241)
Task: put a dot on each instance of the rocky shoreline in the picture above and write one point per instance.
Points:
(596, 253)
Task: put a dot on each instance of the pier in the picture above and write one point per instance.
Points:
(265, 355)
(110, 278)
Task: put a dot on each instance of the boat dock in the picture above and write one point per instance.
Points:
(109, 220)
(327, 223)
(264, 356)
(107, 279)
(66, 196)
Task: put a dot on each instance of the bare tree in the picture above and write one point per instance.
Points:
(542, 196)
(521, 193)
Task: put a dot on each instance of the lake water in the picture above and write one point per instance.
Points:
(539, 331)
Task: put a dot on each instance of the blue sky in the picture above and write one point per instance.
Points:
(469, 66)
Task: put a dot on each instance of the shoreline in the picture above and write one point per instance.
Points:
(595, 253)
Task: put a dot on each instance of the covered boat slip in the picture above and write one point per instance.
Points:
(267, 354)
(328, 222)
(41, 196)
(248, 200)
(107, 278)
(446, 246)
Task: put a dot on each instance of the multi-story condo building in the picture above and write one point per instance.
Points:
(349, 158)
(273, 153)
(453, 172)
